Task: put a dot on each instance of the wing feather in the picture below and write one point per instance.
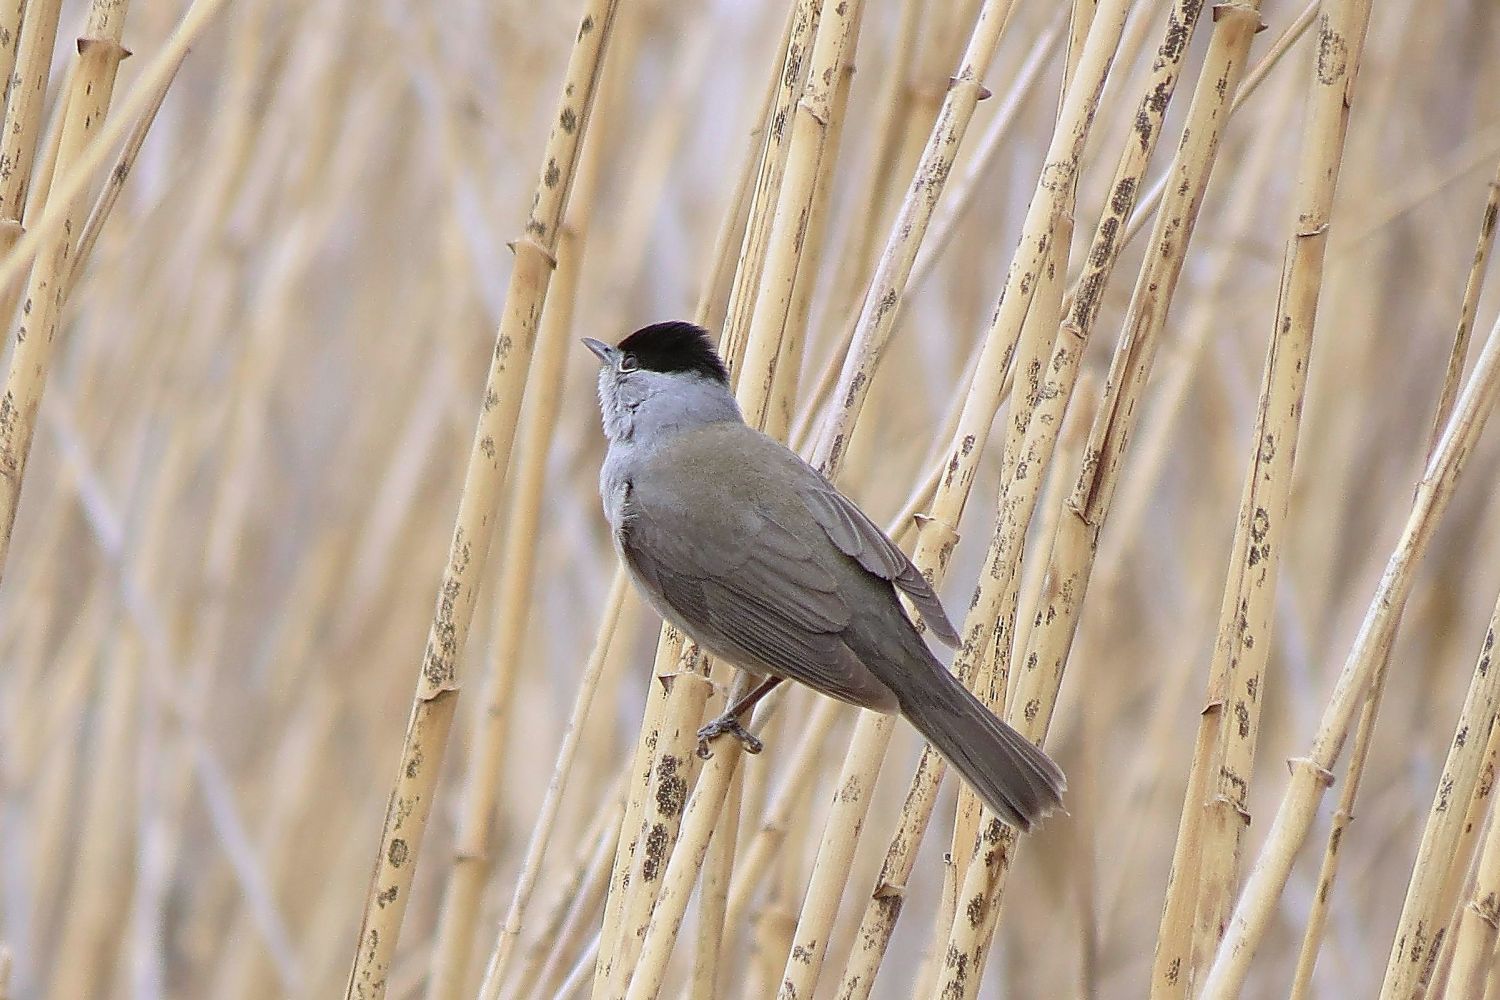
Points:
(857, 536)
(759, 599)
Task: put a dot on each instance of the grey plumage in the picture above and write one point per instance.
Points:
(749, 550)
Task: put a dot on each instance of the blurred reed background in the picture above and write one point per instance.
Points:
(251, 338)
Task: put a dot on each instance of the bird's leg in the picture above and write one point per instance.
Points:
(729, 724)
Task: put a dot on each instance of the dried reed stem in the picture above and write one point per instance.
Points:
(425, 742)
(536, 850)
(513, 605)
(878, 314)
(1311, 774)
(1478, 921)
(1365, 729)
(755, 248)
(91, 86)
(1424, 916)
(26, 90)
(1049, 364)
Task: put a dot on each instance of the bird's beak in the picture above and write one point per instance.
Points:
(601, 350)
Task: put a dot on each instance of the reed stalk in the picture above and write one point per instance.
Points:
(426, 739)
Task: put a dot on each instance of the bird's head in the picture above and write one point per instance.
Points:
(661, 378)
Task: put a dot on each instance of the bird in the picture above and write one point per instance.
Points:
(759, 559)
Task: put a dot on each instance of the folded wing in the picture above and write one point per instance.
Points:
(759, 598)
(858, 537)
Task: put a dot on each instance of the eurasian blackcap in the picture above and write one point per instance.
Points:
(763, 563)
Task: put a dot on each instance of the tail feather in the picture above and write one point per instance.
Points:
(1016, 780)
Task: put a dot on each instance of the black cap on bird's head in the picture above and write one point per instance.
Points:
(669, 348)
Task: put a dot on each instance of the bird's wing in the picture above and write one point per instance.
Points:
(759, 595)
(857, 537)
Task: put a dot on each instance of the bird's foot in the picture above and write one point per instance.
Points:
(726, 725)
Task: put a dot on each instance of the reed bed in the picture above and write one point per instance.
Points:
(1163, 335)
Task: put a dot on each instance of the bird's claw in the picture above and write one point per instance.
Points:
(727, 725)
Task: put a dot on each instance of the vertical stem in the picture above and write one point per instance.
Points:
(1312, 938)
(1479, 919)
(510, 930)
(1312, 774)
(425, 742)
(471, 855)
(92, 86)
(1423, 924)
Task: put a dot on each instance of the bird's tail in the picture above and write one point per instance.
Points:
(1016, 780)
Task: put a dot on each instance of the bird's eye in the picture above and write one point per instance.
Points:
(628, 363)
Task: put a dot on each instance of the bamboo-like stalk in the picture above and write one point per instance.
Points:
(1049, 364)
(765, 196)
(1365, 729)
(25, 91)
(91, 86)
(1038, 406)
(666, 760)
(496, 969)
(472, 859)
(425, 742)
(713, 896)
(10, 43)
(811, 150)
(1242, 649)
(1468, 309)
(1475, 936)
(878, 314)
(574, 930)
(814, 226)
(1240, 654)
(1423, 924)
(698, 819)
(1461, 873)
(1311, 774)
